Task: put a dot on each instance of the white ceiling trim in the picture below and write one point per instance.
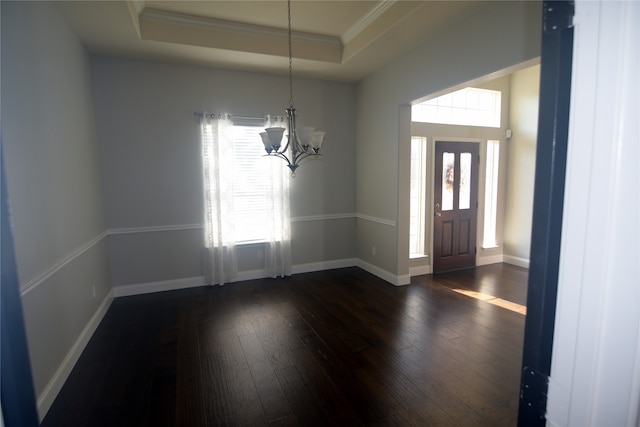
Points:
(366, 21)
(238, 27)
(136, 7)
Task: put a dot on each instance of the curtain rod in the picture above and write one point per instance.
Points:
(200, 115)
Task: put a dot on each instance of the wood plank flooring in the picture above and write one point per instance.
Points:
(339, 347)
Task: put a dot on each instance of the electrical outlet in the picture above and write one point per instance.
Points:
(93, 287)
(373, 250)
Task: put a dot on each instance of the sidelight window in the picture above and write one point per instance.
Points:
(491, 194)
(417, 196)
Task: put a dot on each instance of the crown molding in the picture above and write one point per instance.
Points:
(236, 27)
(366, 21)
(135, 7)
(216, 33)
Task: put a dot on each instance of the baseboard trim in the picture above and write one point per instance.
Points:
(191, 282)
(300, 268)
(250, 275)
(324, 265)
(420, 270)
(514, 260)
(50, 392)
(492, 259)
(164, 285)
(395, 280)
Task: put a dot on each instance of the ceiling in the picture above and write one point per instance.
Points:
(333, 40)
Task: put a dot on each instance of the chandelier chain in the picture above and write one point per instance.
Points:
(290, 56)
(298, 146)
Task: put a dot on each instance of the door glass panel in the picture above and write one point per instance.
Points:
(465, 182)
(448, 173)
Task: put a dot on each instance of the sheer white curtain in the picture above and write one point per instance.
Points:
(278, 245)
(217, 148)
(246, 198)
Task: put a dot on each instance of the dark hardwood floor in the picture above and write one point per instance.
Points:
(339, 347)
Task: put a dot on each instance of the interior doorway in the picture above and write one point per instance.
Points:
(505, 171)
(455, 205)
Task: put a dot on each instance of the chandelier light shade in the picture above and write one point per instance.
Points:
(300, 143)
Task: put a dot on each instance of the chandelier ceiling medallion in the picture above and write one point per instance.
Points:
(300, 144)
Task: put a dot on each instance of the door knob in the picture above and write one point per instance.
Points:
(438, 214)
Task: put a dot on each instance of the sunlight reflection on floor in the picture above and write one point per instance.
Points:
(518, 308)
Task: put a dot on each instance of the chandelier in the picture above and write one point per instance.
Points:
(300, 144)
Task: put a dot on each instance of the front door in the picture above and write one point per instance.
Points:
(455, 205)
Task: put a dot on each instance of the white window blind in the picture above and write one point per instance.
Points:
(252, 191)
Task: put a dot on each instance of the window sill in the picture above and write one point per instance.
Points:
(490, 247)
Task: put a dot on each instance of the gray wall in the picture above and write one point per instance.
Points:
(525, 87)
(150, 155)
(53, 178)
(492, 36)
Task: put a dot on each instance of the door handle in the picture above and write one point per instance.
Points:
(438, 214)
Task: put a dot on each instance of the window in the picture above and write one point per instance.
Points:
(491, 194)
(417, 196)
(245, 190)
(468, 107)
(246, 198)
(252, 201)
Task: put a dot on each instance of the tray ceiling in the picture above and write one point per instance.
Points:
(336, 40)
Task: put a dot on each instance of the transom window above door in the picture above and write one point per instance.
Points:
(467, 107)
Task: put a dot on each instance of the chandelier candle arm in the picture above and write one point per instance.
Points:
(297, 148)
